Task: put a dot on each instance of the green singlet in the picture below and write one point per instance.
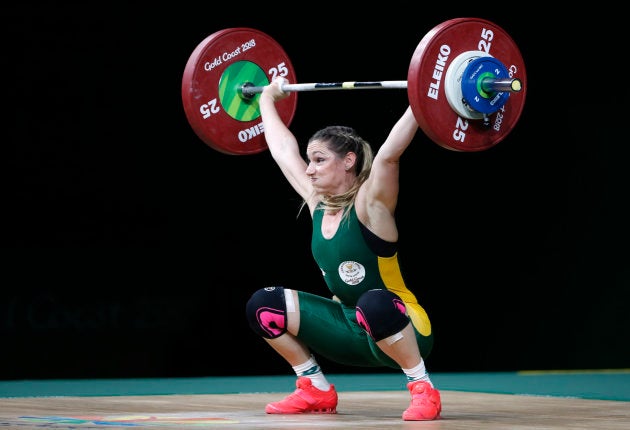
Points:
(350, 268)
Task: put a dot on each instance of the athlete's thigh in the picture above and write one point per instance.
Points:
(331, 330)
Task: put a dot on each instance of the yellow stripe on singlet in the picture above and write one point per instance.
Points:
(390, 273)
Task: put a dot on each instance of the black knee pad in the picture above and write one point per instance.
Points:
(266, 312)
(381, 313)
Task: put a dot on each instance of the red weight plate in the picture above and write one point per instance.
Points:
(216, 70)
(426, 83)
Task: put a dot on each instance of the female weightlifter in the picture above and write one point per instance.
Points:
(372, 319)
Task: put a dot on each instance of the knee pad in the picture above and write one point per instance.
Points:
(381, 313)
(266, 312)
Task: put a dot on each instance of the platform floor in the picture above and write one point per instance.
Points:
(490, 401)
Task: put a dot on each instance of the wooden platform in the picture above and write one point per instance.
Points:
(489, 401)
(357, 410)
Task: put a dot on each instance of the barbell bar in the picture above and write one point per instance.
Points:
(250, 90)
(463, 96)
(487, 84)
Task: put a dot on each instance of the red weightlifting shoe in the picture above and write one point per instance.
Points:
(306, 400)
(425, 402)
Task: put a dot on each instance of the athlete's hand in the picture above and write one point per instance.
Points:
(274, 89)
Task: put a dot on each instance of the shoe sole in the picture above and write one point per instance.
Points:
(310, 411)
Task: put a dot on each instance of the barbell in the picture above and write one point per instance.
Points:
(465, 84)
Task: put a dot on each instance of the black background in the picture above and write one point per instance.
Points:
(130, 247)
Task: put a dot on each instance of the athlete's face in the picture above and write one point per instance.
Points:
(326, 170)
